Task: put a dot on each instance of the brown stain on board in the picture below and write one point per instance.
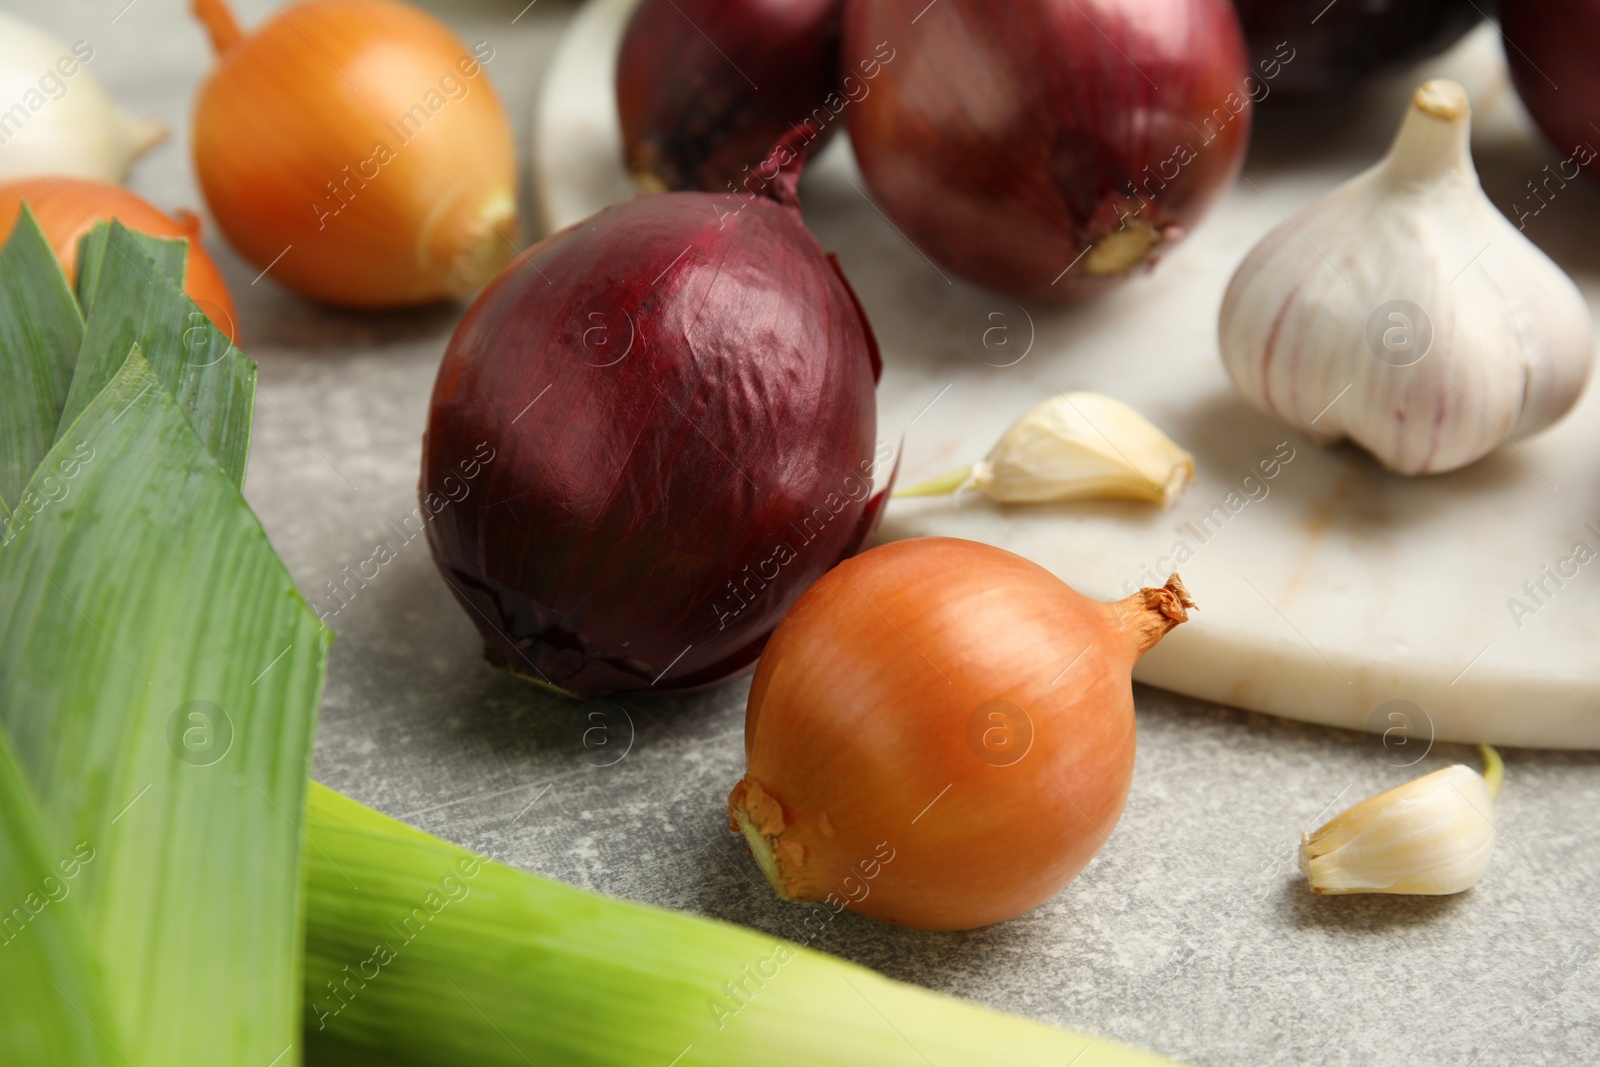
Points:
(1316, 527)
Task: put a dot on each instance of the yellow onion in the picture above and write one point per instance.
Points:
(940, 733)
(356, 150)
(55, 116)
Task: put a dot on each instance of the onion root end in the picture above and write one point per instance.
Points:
(753, 812)
(1122, 250)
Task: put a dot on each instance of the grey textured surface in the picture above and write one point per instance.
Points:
(1191, 934)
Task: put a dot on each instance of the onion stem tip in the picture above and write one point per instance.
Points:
(219, 22)
(1153, 612)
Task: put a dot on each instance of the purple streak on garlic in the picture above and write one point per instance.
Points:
(1402, 311)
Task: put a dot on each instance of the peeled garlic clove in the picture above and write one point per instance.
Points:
(1431, 836)
(1076, 446)
(58, 120)
(1403, 311)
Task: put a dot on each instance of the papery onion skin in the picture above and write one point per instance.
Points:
(1550, 44)
(869, 729)
(320, 169)
(706, 87)
(68, 208)
(671, 390)
(1337, 47)
(1047, 148)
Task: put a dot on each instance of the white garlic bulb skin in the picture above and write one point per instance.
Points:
(58, 119)
(1320, 324)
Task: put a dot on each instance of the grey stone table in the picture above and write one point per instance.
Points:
(1191, 934)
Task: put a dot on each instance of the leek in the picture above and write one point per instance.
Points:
(170, 255)
(420, 952)
(40, 332)
(53, 1010)
(159, 678)
(137, 302)
(140, 617)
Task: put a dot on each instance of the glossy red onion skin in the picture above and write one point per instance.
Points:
(1553, 41)
(1038, 150)
(595, 550)
(1347, 43)
(706, 87)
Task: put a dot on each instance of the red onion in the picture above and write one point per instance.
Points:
(1314, 48)
(705, 87)
(1551, 43)
(1045, 148)
(668, 415)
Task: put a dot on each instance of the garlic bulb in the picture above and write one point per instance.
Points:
(1431, 836)
(56, 119)
(1075, 446)
(1404, 312)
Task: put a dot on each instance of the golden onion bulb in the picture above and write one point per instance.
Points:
(357, 152)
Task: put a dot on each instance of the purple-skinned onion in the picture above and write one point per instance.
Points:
(706, 87)
(1047, 149)
(1311, 48)
(677, 400)
(1550, 50)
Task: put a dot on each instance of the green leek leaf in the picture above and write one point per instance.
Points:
(53, 1011)
(136, 302)
(40, 333)
(159, 679)
(171, 257)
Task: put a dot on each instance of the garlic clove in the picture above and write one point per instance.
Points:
(1431, 836)
(1083, 446)
(1404, 312)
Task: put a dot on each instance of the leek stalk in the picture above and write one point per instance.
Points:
(420, 952)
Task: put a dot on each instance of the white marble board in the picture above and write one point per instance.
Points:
(1330, 591)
